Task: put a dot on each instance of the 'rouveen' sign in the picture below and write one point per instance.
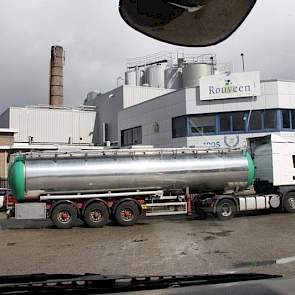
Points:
(230, 86)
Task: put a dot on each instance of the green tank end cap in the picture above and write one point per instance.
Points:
(251, 166)
(16, 178)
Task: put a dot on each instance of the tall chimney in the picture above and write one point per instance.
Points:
(56, 76)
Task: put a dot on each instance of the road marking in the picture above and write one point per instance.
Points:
(250, 264)
(285, 260)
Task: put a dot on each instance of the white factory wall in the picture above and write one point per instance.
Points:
(161, 110)
(231, 141)
(51, 125)
(134, 95)
(273, 95)
(156, 111)
(109, 104)
(286, 94)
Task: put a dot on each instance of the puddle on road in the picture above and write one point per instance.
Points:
(210, 235)
(214, 235)
(216, 224)
(209, 238)
(224, 233)
(221, 252)
(139, 240)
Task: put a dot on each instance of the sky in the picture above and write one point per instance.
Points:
(98, 42)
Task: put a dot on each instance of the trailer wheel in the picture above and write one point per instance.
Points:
(127, 214)
(226, 209)
(64, 216)
(96, 215)
(289, 202)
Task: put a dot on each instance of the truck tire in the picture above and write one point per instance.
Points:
(126, 214)
(64, 216)
(96, 215)
(289, 202)
(225, 209)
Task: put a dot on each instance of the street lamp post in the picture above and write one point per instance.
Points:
(243, 61)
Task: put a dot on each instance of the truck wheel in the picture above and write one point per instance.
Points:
(226, 209)
(127, 214)
(289, 202)
(64, 216)
(96, 215)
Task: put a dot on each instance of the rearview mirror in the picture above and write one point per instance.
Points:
(186, 22)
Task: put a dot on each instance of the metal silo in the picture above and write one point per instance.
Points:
(134, 77)
(192, 73)
(173, 78)
(130, 77)
(141, 77)
(155, 76)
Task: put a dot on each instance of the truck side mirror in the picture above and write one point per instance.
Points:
(186, 22)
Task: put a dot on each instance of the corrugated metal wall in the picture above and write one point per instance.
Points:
(52, 125)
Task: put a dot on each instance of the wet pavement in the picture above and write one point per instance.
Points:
(154, 246)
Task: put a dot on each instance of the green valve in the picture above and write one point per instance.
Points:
(16, 178)
(251, 166)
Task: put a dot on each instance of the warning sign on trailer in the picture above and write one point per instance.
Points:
(234, 85)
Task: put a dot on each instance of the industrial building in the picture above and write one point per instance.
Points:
(182, 119)
(37, 128)
(145, 78)
(199, 103)
(108, 106)
(46, 125)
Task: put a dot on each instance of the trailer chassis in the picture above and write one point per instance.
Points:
(124, 208)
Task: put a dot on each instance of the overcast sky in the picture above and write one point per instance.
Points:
(98, 42)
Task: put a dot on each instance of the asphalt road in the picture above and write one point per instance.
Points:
(152, 247)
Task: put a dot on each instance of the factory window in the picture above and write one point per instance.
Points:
(225, 122)
(179, 127)
(286, 119)
(238, 121)
(136, 135)
(270, 119)
(232, 122)
(199, 125)
(293, 118)
(255, 122)
(131, 136)
(127, 137)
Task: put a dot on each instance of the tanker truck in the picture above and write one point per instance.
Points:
(122, 184)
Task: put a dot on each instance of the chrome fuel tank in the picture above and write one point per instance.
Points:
(126, 170)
